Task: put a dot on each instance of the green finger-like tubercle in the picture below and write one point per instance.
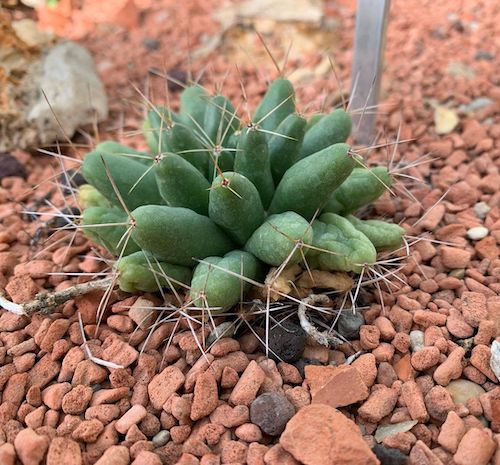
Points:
(362, 187)
(155, 127)
(140, 271)
(284, 147)
(183, 141)
(276, 105)
(339, 246)
(275, 240)
(252, 161)
(110, 146)
(219, 283)
(235, 206)
(316, 118)
(193, 105)
(181, 184)
(310, 181)
(89, 196)
(110, 229)
(220, 120)
(331, 129)
(134, 181)
(383, 235)
(178, 235)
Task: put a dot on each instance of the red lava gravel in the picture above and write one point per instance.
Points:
(420, 390)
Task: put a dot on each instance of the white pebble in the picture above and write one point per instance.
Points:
(495, 358)
(416, 340)
(477, 233)
(481, 209)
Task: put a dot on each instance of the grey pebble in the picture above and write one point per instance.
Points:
(481, 209)
(416, 340)
(161, 438)
(271, 412)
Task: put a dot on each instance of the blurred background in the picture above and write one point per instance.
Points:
(440, 74)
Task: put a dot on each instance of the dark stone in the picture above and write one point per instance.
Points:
(389, 456)
(10, 166)
(484, 55)
(300, 364)
(286, 342)
(349, 323)
(151, 44)
(466, 344)
(178, 79)
(271, 412)
(70, 180)
(65, 218)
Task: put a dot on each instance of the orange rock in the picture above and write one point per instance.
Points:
(369, 336)
(206, 398)
(480, 358)
(88, 431)
(474, 308)
(164, 384)
(118, 351)
(298, 396)
(146, 457)
(30, 447)
(318, 376)
(344, 387)
(77, 400)
(248, 385)
(403, 368)
(276, 455)
(7, 454)
(414, 400)
(451, 368)
(289, 373)
(230, 417)
(422, 455)
(438, 402)
(256, 453)
(425, 358)
(133, 416)
(433, 217)
(380, 403)
(229, 378)
(224, 346)
(452, 432)
(233, 452)
(487, 248)
(493, 305)
(321, 435)
(476, 447)
(367, 368)
(52, 396)
(248, 432)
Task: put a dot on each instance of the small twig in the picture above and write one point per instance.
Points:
(324, 338)
(46, 302)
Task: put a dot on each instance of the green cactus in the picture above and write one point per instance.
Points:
(141, 271)
(281, 188)
(339, 246)
(216, 281)
(89, 196)
(362, 187)
(107, 226)
(278, 237)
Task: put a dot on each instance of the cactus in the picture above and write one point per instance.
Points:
(218, 200)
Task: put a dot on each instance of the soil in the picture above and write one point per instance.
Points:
(419, 360)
